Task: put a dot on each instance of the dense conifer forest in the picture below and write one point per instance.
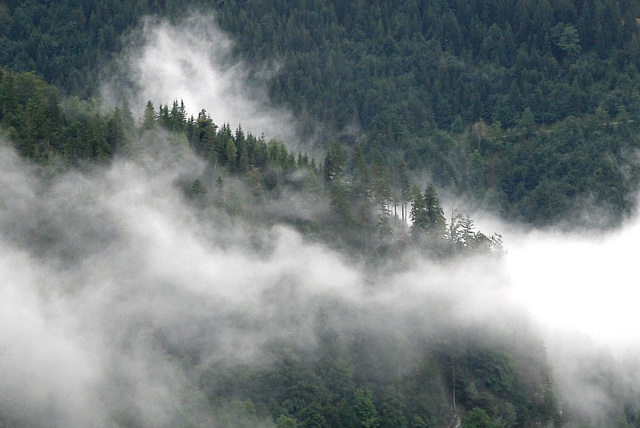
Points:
(464, 90)
(527, 108)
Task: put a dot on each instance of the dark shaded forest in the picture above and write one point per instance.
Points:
(530, 108)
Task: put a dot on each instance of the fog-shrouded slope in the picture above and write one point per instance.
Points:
(129, 301)
(528, 115)
(133, 297)
(166, 270)
(125, 305)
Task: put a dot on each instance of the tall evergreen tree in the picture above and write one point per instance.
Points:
(149, 118)
(334, 161)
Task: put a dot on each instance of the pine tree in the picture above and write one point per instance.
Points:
(427, 214)
(365, 409)
(418, 215)
(230, 153)
(243, 160)
(177, 117)
(197, 191)
(436, 221)
(115, 131)
(149, 118)
(334, 161)
(405, 190)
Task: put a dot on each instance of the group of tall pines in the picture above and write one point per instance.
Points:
(525, 107)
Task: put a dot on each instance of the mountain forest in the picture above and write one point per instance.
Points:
(525, 109)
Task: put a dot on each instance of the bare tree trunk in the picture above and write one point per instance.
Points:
(454, 387)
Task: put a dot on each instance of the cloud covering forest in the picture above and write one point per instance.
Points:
(154, 279)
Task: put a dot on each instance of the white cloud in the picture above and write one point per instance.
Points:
(192, 60)
(580, 284)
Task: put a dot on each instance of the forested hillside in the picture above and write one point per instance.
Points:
(467, 91)
(370, 211)
(350, 378)
(526, 108)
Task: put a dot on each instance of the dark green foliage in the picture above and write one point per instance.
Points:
(364, 193)
(551, 173)
(44, 131)
(346, 384)
(65, 42)
(149, 118)
(427, 214)
(365, 410)
(197, 191)
(334, 162)
(416, 77)
(478, 418)
(402, 72)
(498, 390)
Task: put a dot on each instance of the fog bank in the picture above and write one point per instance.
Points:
(107, 274)
(582, 284)
(111, 280)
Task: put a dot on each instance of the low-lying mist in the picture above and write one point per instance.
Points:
(580, 290)
(577, 281)
(111, 278)
(582, 284)
(106, 272)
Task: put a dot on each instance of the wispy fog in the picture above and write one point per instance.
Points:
(109, 277)
(192, 60)
(104, 273)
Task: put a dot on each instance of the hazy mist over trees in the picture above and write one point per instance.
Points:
(252, 213)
